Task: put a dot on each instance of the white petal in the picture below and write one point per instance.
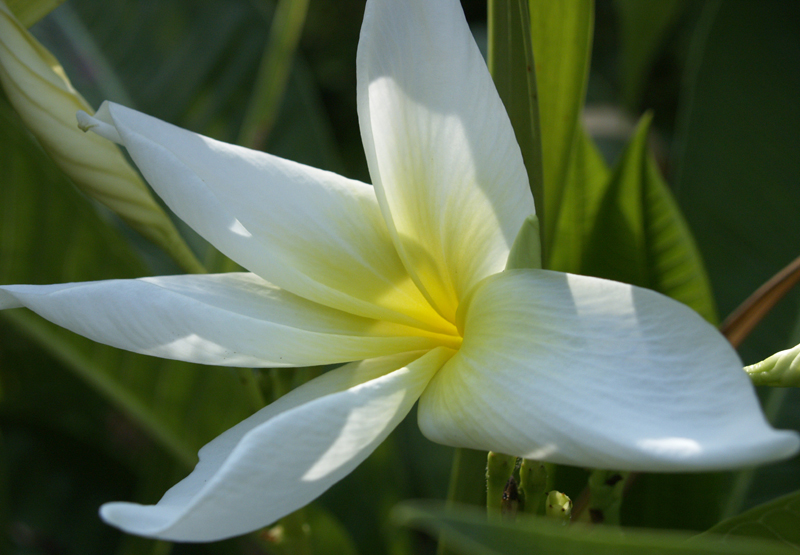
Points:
(287, 454)
(441, 150)
(223, 319)
(311, 232)
(589, 372)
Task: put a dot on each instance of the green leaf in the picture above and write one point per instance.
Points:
(777, 520)
(469, 532)
(640, 236)
(511, 64)
(526, 252)
(561, 35)
(586, 180)
(30, 11)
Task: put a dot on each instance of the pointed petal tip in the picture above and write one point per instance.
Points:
(129, 517)
(287, 454)
(153, 521)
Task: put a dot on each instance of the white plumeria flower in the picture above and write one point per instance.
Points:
(407, 277)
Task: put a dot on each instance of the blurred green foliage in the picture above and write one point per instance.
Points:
(83, 424)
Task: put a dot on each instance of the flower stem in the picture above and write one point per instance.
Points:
(249, 380)
(273, 73)
(468, 471)
(741, 322)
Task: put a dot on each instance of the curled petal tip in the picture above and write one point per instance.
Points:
(97, 124)
(85, 121)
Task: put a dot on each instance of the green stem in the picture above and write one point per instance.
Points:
(499, 469)
(467, 484)
(273, 73)
(249, 380)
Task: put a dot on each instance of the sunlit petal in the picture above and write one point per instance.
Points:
(589, 372)
(287, 454)
(309, 231)
(441, 151)
(223, 319)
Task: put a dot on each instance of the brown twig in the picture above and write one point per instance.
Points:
(741, 322)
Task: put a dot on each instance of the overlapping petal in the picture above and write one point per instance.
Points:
(234, 319)
(441, 151)
(589, 372)
(287, 454)
(309, 231)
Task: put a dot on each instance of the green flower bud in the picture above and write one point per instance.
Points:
(558, 505)
(45, 100)
(780, 370)
(31, 11)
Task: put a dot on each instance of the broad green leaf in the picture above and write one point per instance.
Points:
(50, 234)
(587, 178)
(780, 370)
(561, 32)
(511, 64)
(470, 533)
(644, 25)
(30, 11)
(640, 236)
(777, 520)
